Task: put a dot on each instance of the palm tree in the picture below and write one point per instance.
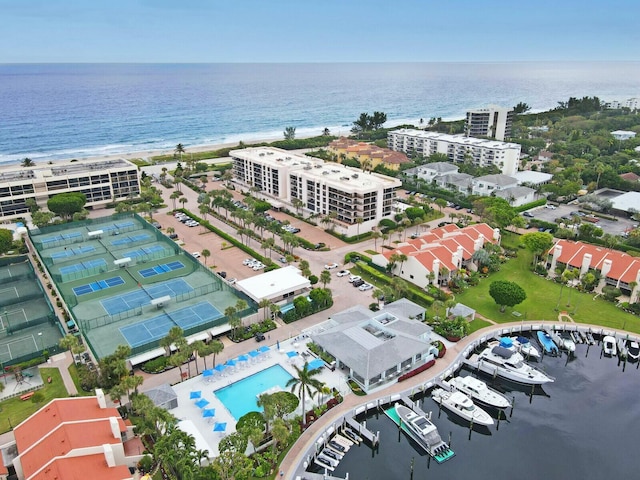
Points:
(325, 277)
(183, 200)
(304, 383)
(175, 195)
(215, 347)
(376, 235)
(206, 254)
(359, 222)
(264, 304)
(179, 150)
(27, 162)
(201, 349)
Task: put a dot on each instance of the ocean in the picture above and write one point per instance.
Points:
(584, 426)
(54, 111)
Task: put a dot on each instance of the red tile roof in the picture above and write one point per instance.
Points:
(442, 243)
(629, 177)
(623, 267)
(93, 467)
(59, 411)
(64, 439)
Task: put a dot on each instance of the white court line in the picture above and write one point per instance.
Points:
(15, 290)
(34, 342)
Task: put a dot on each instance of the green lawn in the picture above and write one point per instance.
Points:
(542, 298)
(14, 410)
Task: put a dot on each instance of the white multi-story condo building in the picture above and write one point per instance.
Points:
(322, 187)
(458, 148)
(101, 182)
(492, 121)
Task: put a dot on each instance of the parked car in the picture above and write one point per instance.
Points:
(196, 254)
(354, 278)
(527, 214)
(157, 225)
(260, 337)
(550, 207)
(282, 260)
(173, 236)
(364, 287)
(232, 281)
(358, 283)
(343, 273)
(222, 274)
(330, 266)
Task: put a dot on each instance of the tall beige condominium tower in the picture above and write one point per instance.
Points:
(492, 122)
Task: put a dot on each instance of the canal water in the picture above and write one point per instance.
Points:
(586, 425)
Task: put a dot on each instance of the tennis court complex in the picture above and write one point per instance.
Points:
(158, 327)
(160, 269)
(99, 285)
(114, 273)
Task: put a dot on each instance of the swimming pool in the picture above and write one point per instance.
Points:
(241, 397)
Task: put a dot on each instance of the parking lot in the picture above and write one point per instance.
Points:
(609, 226)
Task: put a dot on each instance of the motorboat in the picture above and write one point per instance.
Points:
(423, 431)
(479, 391)
(525, 347)
(460, 404)
(550, 348)
(509, 365)
(563, 340)
(609, 346)
(633, 350)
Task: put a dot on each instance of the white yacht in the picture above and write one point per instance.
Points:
(525, 347)
(478, 391)
(424, 432)
(609, 346)
(509, 365)
(563, 340)
(458, 403)
(633, 350)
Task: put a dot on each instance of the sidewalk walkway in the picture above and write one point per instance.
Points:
(62, 361)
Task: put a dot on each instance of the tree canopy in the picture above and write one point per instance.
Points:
(66, 204)
(6, 240)
(507, 294)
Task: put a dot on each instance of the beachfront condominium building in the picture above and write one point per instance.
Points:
(458, 148)
(101, 182)
(493, 122)
(355, 200)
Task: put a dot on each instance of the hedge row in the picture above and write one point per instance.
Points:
(416, 371)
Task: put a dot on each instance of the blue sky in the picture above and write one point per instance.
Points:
(318, 31)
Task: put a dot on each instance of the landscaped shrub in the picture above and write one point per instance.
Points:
(418, 370)
(157, 365)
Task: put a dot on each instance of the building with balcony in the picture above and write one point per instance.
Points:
(368, 155)
(492, 122)
(100, 181)
(356, 200)
(458, 148)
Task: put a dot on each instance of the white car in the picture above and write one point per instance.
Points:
(196, 254)
(343, 273)
(330, 266)
(365, 286)
(249, 261)
(354, 278)
(550, 207)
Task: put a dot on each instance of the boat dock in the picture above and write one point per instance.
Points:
(361, 431)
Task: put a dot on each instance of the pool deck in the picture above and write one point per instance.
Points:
(188, 412)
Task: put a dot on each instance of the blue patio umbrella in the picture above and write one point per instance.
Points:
(264, 348)
(220, 426)
(277, 344)
(209, 412)
(202, 403)
(220, 367)
(231, 362)
(243, 358)
(194, 395)
(292, 354)
(254, 353)
(207, 373)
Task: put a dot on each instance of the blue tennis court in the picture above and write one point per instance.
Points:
(96, 286)
(77, 267)
(144, 332)
(158, 327)
(131, 239)
(196, 315)
(117, 226)
(159, 269)
(61, 237)
(142, 251)
(70, 252)
(143, 296)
